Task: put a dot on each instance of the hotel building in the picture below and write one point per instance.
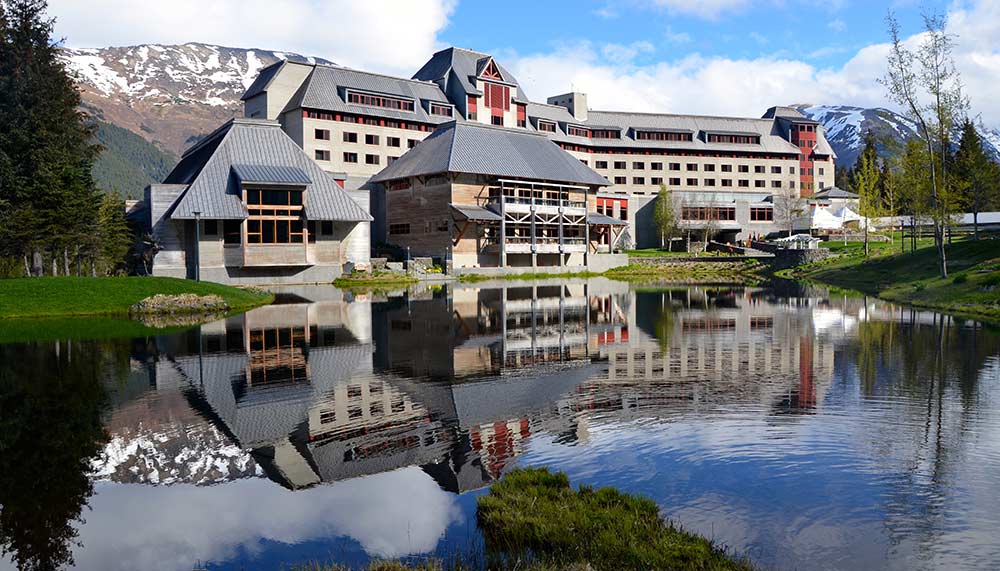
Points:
(723, 172)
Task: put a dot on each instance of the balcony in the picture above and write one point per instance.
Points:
(539, 245)
(541, 205)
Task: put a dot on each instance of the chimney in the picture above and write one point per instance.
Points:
(575, 102)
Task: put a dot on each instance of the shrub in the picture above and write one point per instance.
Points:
(960, 279)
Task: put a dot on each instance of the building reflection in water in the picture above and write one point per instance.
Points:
(455, 380)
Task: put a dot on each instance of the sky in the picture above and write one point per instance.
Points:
(723, 57)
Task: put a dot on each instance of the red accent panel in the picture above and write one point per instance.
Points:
(471, 104)
(521, 113)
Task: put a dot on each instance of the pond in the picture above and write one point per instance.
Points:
(806, 429)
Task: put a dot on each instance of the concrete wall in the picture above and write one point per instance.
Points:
(268, 105)
(604, 262)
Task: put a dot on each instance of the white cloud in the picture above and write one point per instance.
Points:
(746, 87)
(676, 37)
(837, 25)
(380, 35)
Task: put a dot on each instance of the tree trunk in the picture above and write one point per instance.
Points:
(66, 262)
(866, 237)
(27, 268)
(942, 256)
(55, 265)
(975, 225)
(93, 268)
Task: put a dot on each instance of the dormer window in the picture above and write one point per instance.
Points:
(492, 71)
(441, 110)
(605, 134)
(733, 139)
(575, 131)
(547, 126)
(663, 136)
(380, 101)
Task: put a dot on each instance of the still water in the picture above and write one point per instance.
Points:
(806, 430)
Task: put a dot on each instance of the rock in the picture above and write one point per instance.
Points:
(394, 266)
(185, 303)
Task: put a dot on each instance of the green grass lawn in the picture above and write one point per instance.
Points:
(67, 296)
(972, 287)
(657, 253)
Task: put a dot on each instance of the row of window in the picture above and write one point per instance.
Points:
(662, 136)
(708, 213)
(693, 167)
(380, 101)
(268, 230)
(370, 139)
(352, 158)
(734, 139)
(709, 182)
(365, 120)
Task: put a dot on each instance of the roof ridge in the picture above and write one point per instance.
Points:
(654, 114)
(387, 76)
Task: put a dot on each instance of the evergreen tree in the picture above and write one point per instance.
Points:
(866, 184)
(114, 236)
(977, 176)
(48, 199)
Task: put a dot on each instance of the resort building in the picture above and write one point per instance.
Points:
(725, 174)
(246, 205)
(486, 196)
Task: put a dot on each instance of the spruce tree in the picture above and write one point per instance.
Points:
(48, 200)
(976, 175)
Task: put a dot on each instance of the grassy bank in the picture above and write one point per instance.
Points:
(70, 296)
(533, 520)
(689, 272)
(972, 288)
(375, 280)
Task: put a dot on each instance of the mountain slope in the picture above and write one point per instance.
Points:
(128, 163)
(846, 127)
(168, 94)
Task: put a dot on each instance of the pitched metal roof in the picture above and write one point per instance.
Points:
(468, 147)
(835, 192)
(326, 89)
(461, 66)
(214, 190)
(263, 79)
(603, 219)
(270, 174)
(471, 212)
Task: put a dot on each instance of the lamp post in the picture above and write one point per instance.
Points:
(197, 246)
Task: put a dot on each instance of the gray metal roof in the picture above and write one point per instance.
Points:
(603, 219)
(461, 66)
(263, 79)
(469, 147)
(835, 192)
(214, 192)
(471, 212)
(270, 174)
(326, 89)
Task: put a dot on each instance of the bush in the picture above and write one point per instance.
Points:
(960, 279)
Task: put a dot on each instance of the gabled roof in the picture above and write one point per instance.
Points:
(263, 79)
(461, 66)
(835, 192)
(468, 147)
(326, 89)
(258, 149)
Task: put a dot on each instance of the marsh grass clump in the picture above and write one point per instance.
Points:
(536, 513)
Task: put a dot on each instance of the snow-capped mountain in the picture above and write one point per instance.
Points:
(846, 127)
(169, 94)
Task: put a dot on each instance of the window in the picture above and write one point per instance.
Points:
(760, 214)
(547, 126)
(744, 183)
(350, 157)
(675, 182)
(584, 161)
(601, 164)
(821, 171)
(326, 227)
(497, 120)
(744, 168)
(727, 168)
(577, 131)
(350, 137)
(692, 182)
(322, 155)
(392, 124)
(709, 182)
(392, 141)
(638, 180)
(759, 169)
(379, 101)
(656, 166)
(623, 213)
(522, 123)
(390, 160)
(396, 229)
(775, 184)
(620, 180)
(710, 168)
(675, 166)
(692, 167)
(775, 170)
(620, 165)
(323, 134)
(275, 217)
(759, 184)
(232, 232)
(791, 170)
(410, 143)
(211, 227)
(661, 136)
(708, 213)
(736, 139)
(656, 180)
(371, 159)
(605, 134)
(639, 166)
(371, 139)
(727, 182)
(442, 110)
(311, 230)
